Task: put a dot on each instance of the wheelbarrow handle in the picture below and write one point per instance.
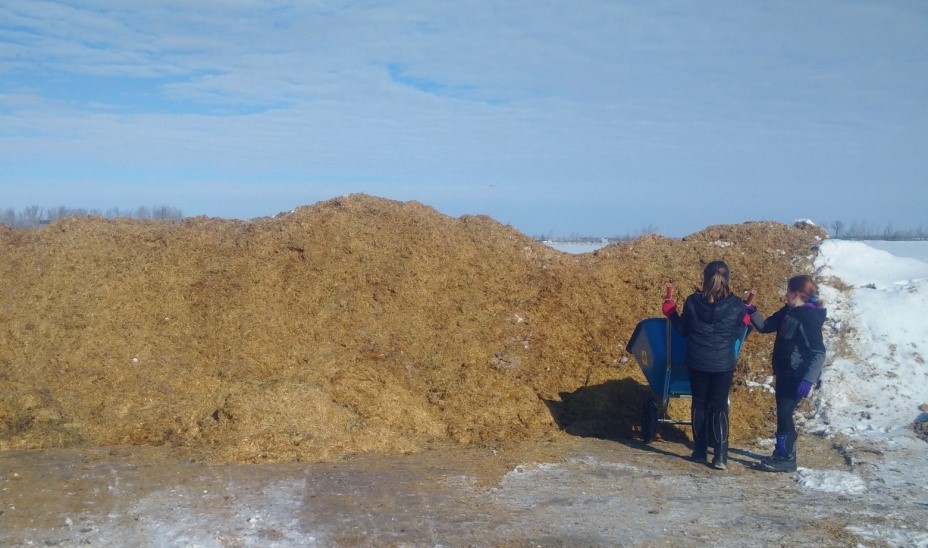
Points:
(668, 295)
(665, 400)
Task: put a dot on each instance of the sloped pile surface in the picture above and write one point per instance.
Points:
(355, 325)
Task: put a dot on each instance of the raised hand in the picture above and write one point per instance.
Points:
(669, 308)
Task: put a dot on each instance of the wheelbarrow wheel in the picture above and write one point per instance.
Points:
(649, 416)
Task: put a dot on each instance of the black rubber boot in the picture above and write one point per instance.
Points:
(719, 425)
(779, 463)
(700, 433)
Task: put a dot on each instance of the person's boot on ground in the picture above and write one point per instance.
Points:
(783, 458)
(700, 435)
(720, 440)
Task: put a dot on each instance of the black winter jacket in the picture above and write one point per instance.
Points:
(799, 350)
(711, 330)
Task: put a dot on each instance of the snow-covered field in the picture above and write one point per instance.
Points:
(915, 250)
(575, 247)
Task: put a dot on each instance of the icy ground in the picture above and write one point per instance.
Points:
(569, 492)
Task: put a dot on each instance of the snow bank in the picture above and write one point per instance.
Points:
(875, 384)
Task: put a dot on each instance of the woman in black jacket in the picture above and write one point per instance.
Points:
(712, 320)
(798, 359)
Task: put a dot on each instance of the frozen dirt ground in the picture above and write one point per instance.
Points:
(571, 491)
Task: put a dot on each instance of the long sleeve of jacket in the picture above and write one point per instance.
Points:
(815, 344)
(815, 365)
(768, 325)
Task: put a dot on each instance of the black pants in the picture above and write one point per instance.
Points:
(710, 390)
(787, 401)
(710, 407)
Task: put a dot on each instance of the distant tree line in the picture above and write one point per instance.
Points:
(860, 230)
(33, 216)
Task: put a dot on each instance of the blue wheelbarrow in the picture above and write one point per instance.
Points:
(659, 349)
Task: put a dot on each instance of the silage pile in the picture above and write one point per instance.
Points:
(355, 325)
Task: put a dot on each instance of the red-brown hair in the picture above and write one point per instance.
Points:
(804, 285)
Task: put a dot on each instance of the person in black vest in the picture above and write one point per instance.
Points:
(712, 320)
(798, 359)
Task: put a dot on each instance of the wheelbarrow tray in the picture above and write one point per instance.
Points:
(649, 345)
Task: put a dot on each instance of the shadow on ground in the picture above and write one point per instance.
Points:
(612, 411)
(607, 411)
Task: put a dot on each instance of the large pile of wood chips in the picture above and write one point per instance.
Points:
(354, 325)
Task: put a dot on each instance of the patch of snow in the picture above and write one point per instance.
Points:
(174, 517)
(891, 536)
(831, 481)
(766, 385)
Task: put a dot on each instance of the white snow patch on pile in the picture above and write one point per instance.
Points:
(831, 481)
(766, 385)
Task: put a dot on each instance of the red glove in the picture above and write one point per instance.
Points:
(749, 307)
(669, 308)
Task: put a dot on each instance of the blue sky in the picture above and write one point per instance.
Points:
(586, 117)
